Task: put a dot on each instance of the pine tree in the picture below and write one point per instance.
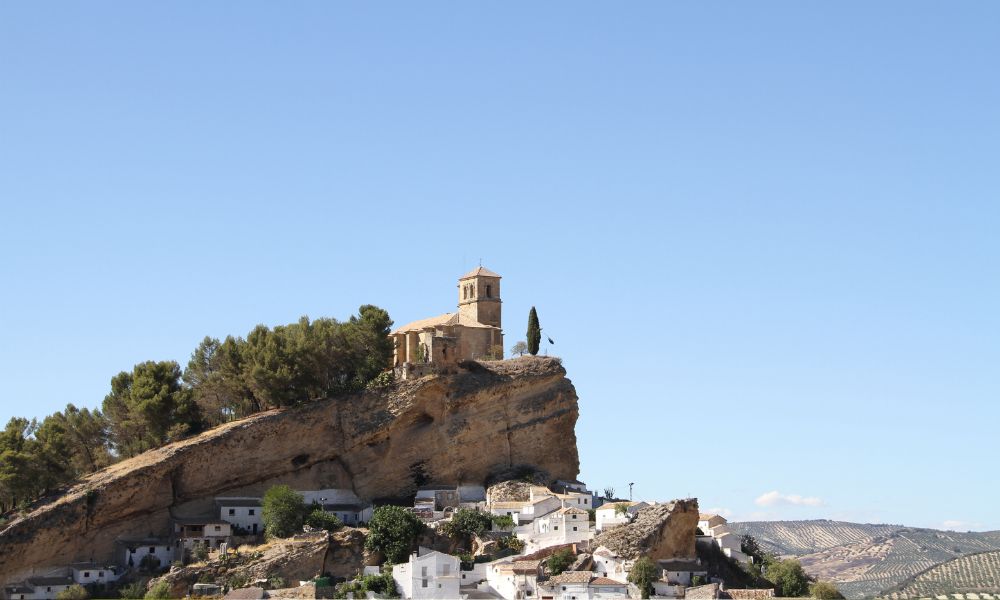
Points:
(534, 332)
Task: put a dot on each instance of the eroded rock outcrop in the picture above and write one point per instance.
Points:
(661, 531)
(467, 427)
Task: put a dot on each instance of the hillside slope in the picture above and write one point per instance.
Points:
(865, 559)
(975, 573)
(464, 427)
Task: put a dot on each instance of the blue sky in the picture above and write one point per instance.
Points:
(763, 236)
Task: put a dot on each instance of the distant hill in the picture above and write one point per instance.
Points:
(864, 560)
(975, 573)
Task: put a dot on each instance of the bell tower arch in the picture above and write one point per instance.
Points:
(479, 296)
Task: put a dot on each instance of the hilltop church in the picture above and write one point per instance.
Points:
(471, 333)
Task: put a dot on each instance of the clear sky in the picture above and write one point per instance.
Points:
(765, 237)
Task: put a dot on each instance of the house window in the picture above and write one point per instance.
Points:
(574, 529)
(564, 588)
(251, 512)
(232, 511)
(556, 528)
(573, 516)
(423, 583)
(423, 571)
(152, 550)
(86, 574)
(218, 528)
(489, 291)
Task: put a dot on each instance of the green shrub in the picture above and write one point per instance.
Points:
(323, 520)
(559, 561)
(283, 511)
(392, 531)
(73, 592)
(160, 591)
(643, 574)
(133, 591)
(824, 590)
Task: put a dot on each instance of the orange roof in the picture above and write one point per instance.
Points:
(479, 271)
(605, 581)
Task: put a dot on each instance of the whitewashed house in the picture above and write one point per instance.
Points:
(428, 574)
(610, 565)
(706, 521)
(608, 515)
(564, 526)
(573, 499)
(512, 509)
(37, 588)
(350, 514)
(514, 578)
(583, 585)
(242, 513)
(145, 553)
(86, 573)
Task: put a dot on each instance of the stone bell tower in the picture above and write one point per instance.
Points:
(479, 296)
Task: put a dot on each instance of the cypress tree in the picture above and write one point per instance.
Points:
(534, 332)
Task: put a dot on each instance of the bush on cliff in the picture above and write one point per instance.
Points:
(282, 511)
(392, 531)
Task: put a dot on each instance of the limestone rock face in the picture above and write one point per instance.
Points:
(662, 531)
(469, 427)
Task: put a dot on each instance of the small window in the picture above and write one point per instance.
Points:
(232, 512)
(489, 291)
(86, 574)
(218, 527)
(423, 571)
(423, 583)
(152, 550)
(100, 574)
(574, 529)
(556, 528)
(48, 589)
(251, 512)
(564, 588)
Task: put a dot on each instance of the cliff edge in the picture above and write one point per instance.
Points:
(482, 423)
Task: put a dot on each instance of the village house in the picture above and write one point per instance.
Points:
(38, 588)
(610, 565)
(609, 515)
(242, 513)
(682, 572)
(564, 526)
(514, 510)
(87, 573)
(340, 502)
(428, 574)
(706, 521)
(473, 332)
(149, 554)
(209, 531)
(582, 585)
(513, 579)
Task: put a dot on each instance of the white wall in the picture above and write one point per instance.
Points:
(432, 575)
(163, 552)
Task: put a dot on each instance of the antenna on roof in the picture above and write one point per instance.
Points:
(480, 261)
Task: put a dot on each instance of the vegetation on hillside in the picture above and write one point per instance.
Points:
(157, 402)
(393, 531)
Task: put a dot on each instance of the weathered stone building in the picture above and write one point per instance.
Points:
(474, 332)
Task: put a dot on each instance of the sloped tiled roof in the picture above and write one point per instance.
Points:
(702, 592)
(525, 566)
(605, 581)
(479, 271)
(571, 577)
(447, 319)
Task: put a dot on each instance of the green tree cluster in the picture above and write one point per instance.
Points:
(381, 585)
(824, 590)
(392, 531)
(789, 580)
(284, 512)
(643, 573)
(156, 402)
(559, 561)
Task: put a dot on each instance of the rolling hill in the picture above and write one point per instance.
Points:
(972, 574)
(864, 560)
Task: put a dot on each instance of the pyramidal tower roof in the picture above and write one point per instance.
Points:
(479, 271)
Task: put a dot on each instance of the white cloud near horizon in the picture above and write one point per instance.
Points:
(776, 498)
(722, 512)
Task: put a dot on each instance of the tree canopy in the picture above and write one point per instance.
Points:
(534, 335)
(283, 511)
(156, 402)
(789, 579)
(392, 531)
(643, 573)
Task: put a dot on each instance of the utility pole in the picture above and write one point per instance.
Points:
(630, 491)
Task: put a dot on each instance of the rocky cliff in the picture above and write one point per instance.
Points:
(662, 531)
(482, 423)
